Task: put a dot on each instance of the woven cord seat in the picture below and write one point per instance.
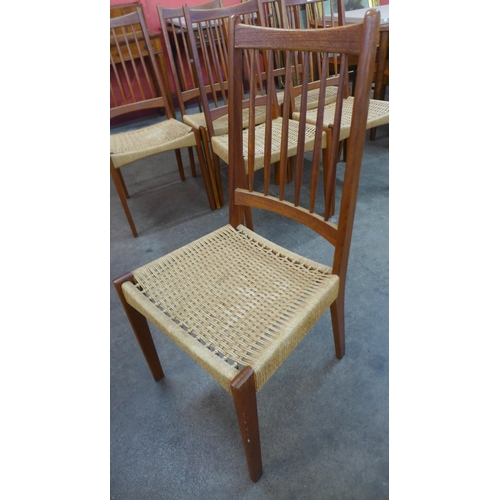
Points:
(312, 98)
(220, 144)
(167, 135)
(378, 114)
(221, 124)
(251, 305)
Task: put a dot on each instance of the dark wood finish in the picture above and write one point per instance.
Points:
(245, 403)
(141, 329)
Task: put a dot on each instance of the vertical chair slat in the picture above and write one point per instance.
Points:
(251, 120)
(268, 122)
(318, 133)
(299, 166)
(335, 134)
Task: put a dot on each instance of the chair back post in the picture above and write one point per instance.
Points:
(129, 34)
(356, 142)
(237, 179)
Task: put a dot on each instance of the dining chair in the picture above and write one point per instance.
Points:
(381, 60)
(181, 68)
(207, 32)
(236, 302)
(137, 86)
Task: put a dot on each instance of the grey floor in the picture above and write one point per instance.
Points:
(324, 423)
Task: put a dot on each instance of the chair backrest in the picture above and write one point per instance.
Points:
(177, 52)
(304, 14)
(303, 199)
(135, 80)
(208, 41)
(271, 13)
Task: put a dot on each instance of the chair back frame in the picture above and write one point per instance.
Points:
(178, 54)
(139, 81)
(208, 35)
(355, 39)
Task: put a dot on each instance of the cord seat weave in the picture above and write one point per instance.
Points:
(220, 144)
(313, 97)
(232, 299)
(378, 114)
(221, 124)
(167, 135)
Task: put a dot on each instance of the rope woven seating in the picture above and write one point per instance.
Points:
(127, 147)
(378, 114)
(221, 126)
(220, 144)
(312, 98)
(253, 301)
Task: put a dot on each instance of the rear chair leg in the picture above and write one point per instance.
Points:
(141, 329)
(180, 166)
(191, 161)
(338, 324)
(245, 402)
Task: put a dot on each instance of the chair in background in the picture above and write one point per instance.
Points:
(236, 302)
(378, 110)
(180, 65)
(137, 86)
(309, 14)
(207, 34)
(381, 68)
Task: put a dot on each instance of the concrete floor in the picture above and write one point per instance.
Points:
(324, 423)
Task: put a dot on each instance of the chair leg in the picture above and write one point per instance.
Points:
(123, 198)
(245, 402)
(205, 147)
(204, 172)
(122, 182)
(141, 329)
(180, 166)
(191, 161)
(338, 323)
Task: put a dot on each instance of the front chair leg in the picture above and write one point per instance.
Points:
(141, 329)
(245, 402)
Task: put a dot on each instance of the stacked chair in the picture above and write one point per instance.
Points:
(235, 302)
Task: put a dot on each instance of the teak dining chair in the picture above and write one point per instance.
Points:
(236, 302)
(207, 33)
(137, 85)
(182, 71)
